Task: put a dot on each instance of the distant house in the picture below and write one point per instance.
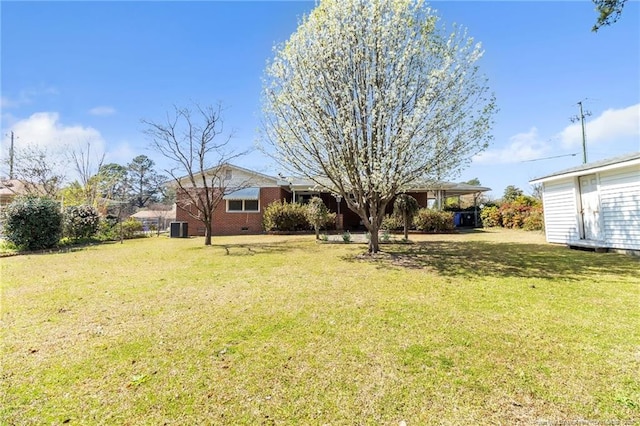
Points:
(9, 189)
(240, 212)
(594, 205)
(158, 218)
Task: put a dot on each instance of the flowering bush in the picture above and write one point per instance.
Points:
(81, 222)
(535, 220)
(490, 217)
(523, 212)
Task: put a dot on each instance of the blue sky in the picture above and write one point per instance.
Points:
(78, 72)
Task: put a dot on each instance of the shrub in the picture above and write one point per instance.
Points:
(33, 223)
(428, 220)
(346, 237)
(490, 217)
(515, 213)
(283, 216)
(512, 215)
(318, 215)
(107, 229)
(391, 222)
(81, 222)
(535, 220)
(131, 228)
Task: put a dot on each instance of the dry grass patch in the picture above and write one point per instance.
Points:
(483, 328)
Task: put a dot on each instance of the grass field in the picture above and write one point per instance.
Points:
(482, 328)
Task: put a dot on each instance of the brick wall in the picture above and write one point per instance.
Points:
(233, 223)
(421, 198)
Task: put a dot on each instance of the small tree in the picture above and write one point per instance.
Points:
(190, 140)
(33, 223)
(406, 207)
(511, 193)
(317, 214)
(87, 168)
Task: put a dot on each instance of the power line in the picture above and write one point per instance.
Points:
(549, 158)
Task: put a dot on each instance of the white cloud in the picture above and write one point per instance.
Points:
(45, 130)
(25, 97)
(521, 147)
(611, 125)
(122, 153)
(102, 111)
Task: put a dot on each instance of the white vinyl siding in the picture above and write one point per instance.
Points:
(620, 204)
(560, 211)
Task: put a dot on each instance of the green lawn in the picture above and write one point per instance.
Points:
(489, 327)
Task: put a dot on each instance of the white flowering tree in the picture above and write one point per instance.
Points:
(369, 96)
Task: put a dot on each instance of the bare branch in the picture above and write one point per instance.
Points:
(192, 139)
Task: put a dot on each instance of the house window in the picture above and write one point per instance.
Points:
(235, 205)
(243, 200)
(243, 206)
(228, 174)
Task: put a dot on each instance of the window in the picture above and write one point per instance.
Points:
(235, 205)
(243, 200)
(243, 206)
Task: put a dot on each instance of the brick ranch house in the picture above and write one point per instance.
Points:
(240, 212)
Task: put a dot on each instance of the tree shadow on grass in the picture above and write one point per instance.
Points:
(478, 258)
(252, 249)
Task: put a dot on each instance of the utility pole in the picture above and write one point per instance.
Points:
(11, 158)
(584, 135)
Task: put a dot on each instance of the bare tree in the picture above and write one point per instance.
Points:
(40, 171)
(87, 169)
(191, 138)
(368, 97)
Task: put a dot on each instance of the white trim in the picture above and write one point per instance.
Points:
(587, 171)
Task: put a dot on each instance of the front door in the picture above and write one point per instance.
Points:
(590, 212)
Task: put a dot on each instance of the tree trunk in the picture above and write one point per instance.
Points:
(406, 225)
(207, 233)
(317, 228)
(374, 245)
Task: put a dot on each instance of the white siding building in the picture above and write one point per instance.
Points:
(594, 205)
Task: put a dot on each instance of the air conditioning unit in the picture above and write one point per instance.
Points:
(179, 230)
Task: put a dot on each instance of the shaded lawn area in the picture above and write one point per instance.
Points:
(481, 328)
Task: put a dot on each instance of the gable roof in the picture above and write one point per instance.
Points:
(253, 173)
(154, 214)
(597, 166)
(11, 187)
